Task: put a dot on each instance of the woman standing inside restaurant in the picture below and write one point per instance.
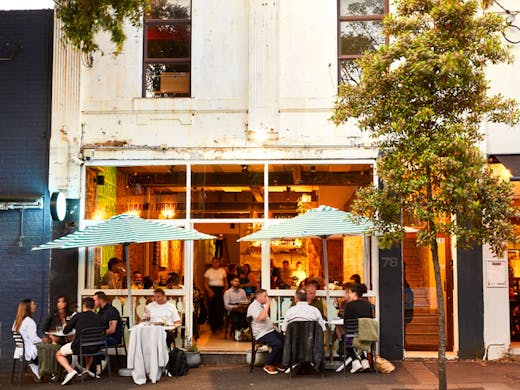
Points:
(25, 325)
(58, 318)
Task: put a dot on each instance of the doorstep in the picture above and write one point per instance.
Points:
(222, 357)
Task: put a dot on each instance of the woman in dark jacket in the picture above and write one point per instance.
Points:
(58, 318)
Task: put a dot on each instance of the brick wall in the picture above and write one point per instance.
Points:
(25, 112)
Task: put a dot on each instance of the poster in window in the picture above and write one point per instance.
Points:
(496, 273)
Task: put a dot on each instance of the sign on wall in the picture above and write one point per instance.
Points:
(496, 273)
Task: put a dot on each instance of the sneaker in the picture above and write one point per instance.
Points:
(69, 377)
(35, 371)
(90, 374)
(356, 366)
(365, 364)
(271, 370)
(280, 367)
(238, 335)
(343, 365)
(289, 369)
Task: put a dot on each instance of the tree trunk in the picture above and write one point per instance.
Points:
(441, 359)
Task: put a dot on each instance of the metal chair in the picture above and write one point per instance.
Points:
(18, 343)
(122, 344)
(351, 329)
(93, 342)
(254, 344)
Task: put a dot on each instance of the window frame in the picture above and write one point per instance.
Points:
(152, 60)
(355, 18)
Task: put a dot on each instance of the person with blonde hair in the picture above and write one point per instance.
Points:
(25, 325)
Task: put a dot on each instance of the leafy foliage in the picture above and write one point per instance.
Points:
(82, 19)
(423, 99)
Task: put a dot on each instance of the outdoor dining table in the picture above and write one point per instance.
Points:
(147, 352)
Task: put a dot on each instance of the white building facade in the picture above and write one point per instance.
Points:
(216, 115)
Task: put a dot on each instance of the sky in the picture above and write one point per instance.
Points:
(26, 4)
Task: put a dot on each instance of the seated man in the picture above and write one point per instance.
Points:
(356, 308)
(235, 302)
(264, 332)
(112, 278)
(111, 318)
(162, 311)
(86, 319)
(302, 311)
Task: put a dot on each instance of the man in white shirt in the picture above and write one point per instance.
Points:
(302, 311)
(264, 332)
(163, 311)
(235, 302)
(215, 283)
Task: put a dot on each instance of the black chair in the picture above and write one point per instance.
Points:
(303, 347)
(254, 344)
(351, 330)
(18, 343)
(122, 344)
(93, 342)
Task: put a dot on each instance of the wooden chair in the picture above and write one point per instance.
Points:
(19, 344)
(254, 344)
(93, 342)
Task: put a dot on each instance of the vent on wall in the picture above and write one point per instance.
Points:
(21, 201)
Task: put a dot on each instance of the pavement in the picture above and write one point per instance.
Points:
(408, 375)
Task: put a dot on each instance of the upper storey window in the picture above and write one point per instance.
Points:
(359, 29)
(167, 49)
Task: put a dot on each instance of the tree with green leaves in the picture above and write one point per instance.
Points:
(423, 98)
(83, 19)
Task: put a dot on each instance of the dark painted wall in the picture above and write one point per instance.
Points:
(391, 303)
(470, 303)
(25, 118)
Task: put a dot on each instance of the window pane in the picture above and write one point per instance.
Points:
(295, 188)
(157, 192)
(350, 72)
(169, 9)
(168, 41)
(359, 36)
(159, 264)
(227, 191)
(362, 7)
(297, 260)
(167, 80)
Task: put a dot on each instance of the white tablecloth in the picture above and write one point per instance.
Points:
(147, 353)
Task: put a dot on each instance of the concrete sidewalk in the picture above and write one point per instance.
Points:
(416, 375)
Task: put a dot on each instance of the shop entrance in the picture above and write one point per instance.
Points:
(420, 302)
(236, 259)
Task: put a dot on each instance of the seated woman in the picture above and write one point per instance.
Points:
(25, 325)
(248, 280)
(58, 318)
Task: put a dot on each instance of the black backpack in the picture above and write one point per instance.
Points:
(177, 363)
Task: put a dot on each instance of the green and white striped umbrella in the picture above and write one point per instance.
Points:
(322, 221)
(121, 229)
(124, 229)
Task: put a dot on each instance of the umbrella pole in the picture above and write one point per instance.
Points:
(327, 291)
(128, 284)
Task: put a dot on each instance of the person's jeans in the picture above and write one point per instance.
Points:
(111, 340)
(275, 341)
(238, 319)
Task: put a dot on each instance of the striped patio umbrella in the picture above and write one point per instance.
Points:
(124, 229)
(322, 222)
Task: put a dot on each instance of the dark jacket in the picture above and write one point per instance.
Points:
(303, 343)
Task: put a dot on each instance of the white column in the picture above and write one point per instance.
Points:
(263, 65)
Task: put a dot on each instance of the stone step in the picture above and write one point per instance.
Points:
(216, 358)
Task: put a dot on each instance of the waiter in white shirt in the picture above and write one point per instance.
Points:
(215, 282)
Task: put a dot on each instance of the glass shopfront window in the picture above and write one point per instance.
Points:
(230, 193)
(152, 192)
(155, 264)
(227, 191)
